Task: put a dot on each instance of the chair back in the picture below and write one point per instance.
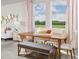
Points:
(25, 35)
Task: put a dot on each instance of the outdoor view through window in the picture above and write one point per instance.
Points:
(59, 13)
(58, 10)
(39, 15)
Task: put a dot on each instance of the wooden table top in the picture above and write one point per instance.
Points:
(51, 36)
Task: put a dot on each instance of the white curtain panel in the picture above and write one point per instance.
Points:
(29, 10)
(72, 23)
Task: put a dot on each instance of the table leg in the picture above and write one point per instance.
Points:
(32, 38)
(65, 40)
(59, 54)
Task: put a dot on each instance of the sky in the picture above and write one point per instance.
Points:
(58, 10)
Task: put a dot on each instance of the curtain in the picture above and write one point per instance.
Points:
(72, 23)
(29, 10)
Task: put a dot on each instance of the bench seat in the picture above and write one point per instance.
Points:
(40, 48)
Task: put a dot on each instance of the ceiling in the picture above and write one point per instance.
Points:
(6, 2)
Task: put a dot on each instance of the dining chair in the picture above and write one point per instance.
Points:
(64, 46)
(25, 36)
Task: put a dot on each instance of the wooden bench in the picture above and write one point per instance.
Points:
(40, 48)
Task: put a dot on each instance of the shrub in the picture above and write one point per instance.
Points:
(53, 22)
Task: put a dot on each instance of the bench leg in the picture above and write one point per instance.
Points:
(49, 56)
(19, 49)
(56, 54)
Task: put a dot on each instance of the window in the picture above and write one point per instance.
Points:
(39, 15)
(59, 13)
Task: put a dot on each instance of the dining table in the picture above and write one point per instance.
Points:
(55, 36)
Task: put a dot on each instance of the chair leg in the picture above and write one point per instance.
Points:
(20, 49)
(25, 51)
(71, 54)
(67, 52)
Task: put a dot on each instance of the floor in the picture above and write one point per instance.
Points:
(9, 51)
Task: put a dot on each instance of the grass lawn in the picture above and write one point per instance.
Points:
(39, 26)
(58, 26)
(53, 26)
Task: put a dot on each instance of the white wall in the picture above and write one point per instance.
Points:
(19, 9)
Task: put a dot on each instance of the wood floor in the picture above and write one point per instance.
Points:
(9, 51)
